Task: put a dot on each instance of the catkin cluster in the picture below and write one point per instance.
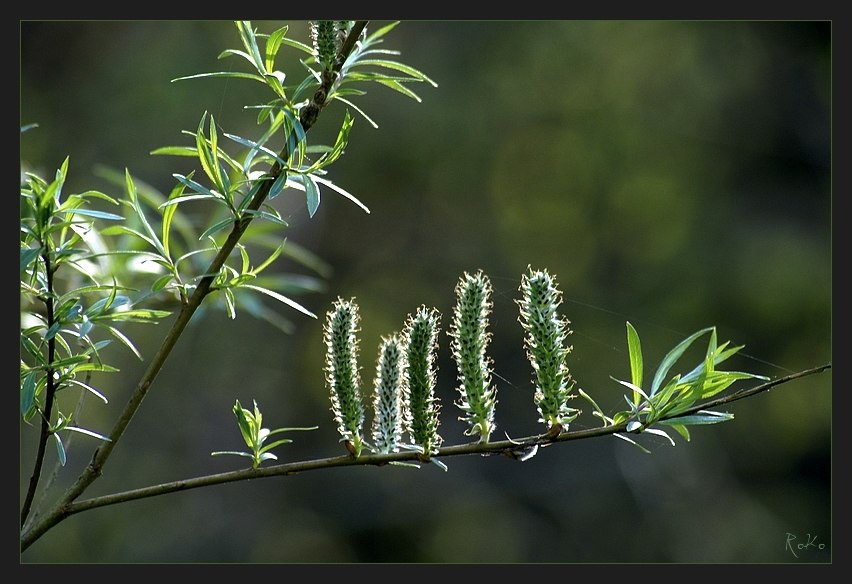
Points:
(404, 399)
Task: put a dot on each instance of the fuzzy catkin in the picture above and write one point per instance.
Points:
(324, 37)
(342, 373)
(545, 340)
(388, 399)
(421, 342)
(470, 339)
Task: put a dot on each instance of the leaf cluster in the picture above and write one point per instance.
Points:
(667, 398)
(250, 423)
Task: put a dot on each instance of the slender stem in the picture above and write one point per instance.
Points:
(95, 467)
(50, 394)
(507, 447)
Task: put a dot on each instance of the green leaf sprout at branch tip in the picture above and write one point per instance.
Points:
(255, 435)
(663, 403)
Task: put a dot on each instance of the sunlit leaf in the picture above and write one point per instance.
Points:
(60, 449)
(703, 417)
(281, 298)
(95, 214)
(673, 356)
(634, 347)
(342, 191)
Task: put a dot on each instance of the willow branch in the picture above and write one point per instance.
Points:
(511, 448)
(188, 309)
(49, 397)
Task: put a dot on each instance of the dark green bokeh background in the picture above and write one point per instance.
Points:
(674, 174)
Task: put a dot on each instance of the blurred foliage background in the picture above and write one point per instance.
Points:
(675, 174)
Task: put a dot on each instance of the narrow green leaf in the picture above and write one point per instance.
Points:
(162, 282)
(273, 43)
(245, 258)
(217, 227)
(274, 218)
(51, 332)
(296, 137)
(137, 315)
(195, 186)
(633, 442)
(371, 39)
(85, 327)
(124, 230)
(660, 433)
(230, 303)
(28, 388)
(250, 43)
(125, 340)
(636, 365)
(598, 411)
(277, 430)
(208, 154)
(636, 389)
(282, 298)
(221, 452)
(87, 432)
(398, 67)
(175, 151)
(272, 257)
(394, 83)
(235, 74)
(298, 45)
(60, 449)
(343, 192)
(177, 200)
(269, 447)
(439, 464)
(673, 356)
(255, 146)
(95, 214)
(312, 194)
(137, 206)
(703, 417)
(339, 144)
(682, 430)
(356, 108)
(246, 426)
(278, 185)
(168, 216)
(29, 255)
(349, 91)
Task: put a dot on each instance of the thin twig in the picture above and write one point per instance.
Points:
(508, 447)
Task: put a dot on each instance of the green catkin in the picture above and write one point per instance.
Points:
(469, 343)
(388, 399)
(546, 349)
(324, 36)
(421, 342)
(342, 374)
